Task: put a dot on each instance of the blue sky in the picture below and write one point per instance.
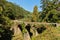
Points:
(27, 4)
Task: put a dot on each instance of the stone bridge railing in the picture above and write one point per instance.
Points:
(36, 23)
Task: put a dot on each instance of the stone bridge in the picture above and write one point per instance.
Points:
(30, 28)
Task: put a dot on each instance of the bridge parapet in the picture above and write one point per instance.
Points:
(36, 23)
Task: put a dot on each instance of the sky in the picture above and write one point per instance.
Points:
(27, 4)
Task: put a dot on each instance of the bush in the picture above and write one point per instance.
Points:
(5, 21)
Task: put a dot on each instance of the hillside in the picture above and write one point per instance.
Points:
(12, 11)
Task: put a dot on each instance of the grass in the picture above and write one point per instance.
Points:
(51, 33)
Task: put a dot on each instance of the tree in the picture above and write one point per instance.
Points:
(50, 8)
(35, 14)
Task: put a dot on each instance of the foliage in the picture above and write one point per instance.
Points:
(35, 15)
(23, 28)
(12, 11)
(5, 21)
(5, 34)
(50, 11)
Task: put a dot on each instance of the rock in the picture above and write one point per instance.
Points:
(34, 31)
(26, 36)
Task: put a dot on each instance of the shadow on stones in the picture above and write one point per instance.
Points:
(20, 27)
(28, 29)
(54, 25)
(41, 29)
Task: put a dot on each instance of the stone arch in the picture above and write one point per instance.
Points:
(28, 26)
(33, 30)
(41, 29)
(20, 27)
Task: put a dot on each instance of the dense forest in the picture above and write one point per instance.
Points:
(50, 14)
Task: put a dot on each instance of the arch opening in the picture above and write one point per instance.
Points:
(20, 27)
(28, 29)
(41, 29)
